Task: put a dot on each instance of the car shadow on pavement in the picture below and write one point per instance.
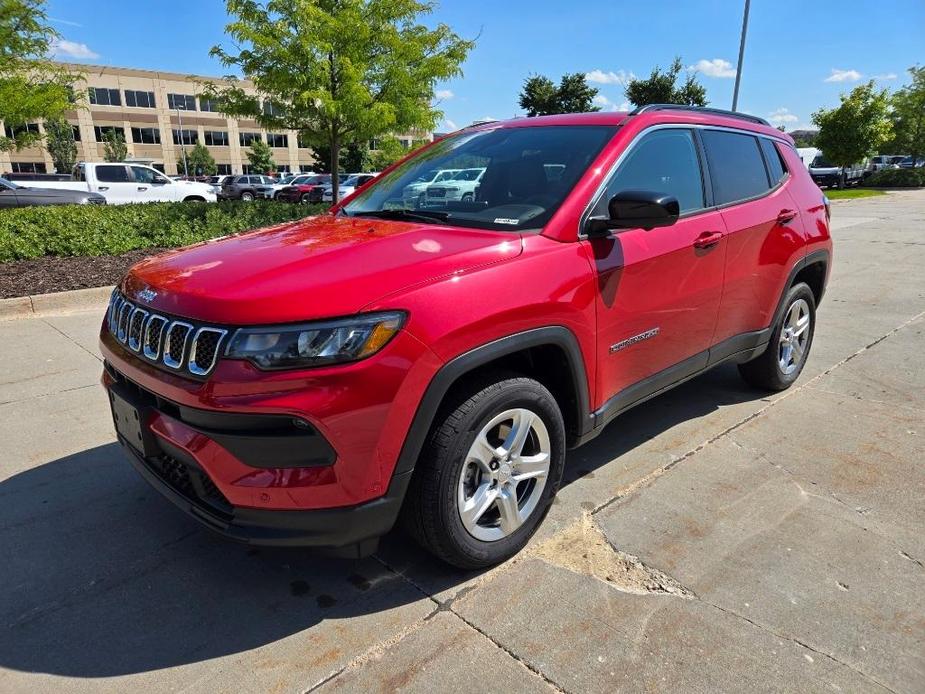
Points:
(102, 577)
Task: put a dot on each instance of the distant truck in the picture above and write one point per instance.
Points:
(125, 183)
(827, 175)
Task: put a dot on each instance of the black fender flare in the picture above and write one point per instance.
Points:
(459, 366)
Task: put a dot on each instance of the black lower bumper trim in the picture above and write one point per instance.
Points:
(347, 530)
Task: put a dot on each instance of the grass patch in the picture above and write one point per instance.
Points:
(852, 193)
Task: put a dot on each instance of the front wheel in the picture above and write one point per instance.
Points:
(489, 472)
(781, 363)
(247, 197)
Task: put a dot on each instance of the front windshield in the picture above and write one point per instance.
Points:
(820, 162)
(7, 184)
(523, 174)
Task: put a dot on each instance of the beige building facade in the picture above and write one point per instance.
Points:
(159, 113)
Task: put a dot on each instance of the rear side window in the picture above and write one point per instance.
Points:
(776, 166)
(736, 166)
(112, 174)
(664, 161)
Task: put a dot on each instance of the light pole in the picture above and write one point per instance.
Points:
(182, 146)
(735, 93)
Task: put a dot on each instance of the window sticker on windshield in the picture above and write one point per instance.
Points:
(506, 220)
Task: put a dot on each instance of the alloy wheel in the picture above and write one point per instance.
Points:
(794, 336)
(504, 474)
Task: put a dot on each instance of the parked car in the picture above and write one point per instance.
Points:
(316, 382)
(247, 187)
(461, 187)
(17, 195)
(125, 183)
(216, 183)
(881, 162)
(909, 163)
(415, 193)
(306, 188)
(827, 175)
(350, 184)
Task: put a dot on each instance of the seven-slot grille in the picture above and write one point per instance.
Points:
(170, 342)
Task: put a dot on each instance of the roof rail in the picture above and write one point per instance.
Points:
(699, 109)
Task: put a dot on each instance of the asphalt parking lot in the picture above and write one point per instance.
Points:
(713, 539)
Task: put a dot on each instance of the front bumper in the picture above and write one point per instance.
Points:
(173, 455)
(826, 179)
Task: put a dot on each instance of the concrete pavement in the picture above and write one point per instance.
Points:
(713, 539)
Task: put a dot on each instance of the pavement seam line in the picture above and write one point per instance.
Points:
(377, 648)
(48, 395)
(68, 337)
(658, 472)
(798, 642)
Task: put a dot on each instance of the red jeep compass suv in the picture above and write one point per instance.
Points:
(312, 383)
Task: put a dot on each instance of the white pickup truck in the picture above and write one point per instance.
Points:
(125, 183)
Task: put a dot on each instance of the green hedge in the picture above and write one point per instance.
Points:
(33, 232)
(897, 178)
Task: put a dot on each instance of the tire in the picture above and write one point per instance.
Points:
(247, 197)
(450, 480)
(767, 370)
(422, 200)
(305, 200)
(467, 197)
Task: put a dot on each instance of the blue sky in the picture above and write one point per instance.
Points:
(800, 55)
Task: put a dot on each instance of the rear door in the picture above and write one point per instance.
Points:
(658, 291)
(763, 226)
(115, 183)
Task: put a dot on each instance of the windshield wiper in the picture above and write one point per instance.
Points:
(418, 215)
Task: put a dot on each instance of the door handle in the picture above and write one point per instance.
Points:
(103, 188)
(785, 216)
(142, 187)
(708, 239)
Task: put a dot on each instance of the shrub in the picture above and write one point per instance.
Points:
(70, 230)
(897, 178)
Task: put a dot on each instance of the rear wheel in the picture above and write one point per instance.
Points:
(247, 197)
(194, 198)
(305, 199)
(781, 363)
(488, 474)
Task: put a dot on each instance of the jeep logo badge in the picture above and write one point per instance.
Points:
(147, 295)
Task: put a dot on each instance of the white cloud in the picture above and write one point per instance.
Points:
(608, 105)
(600, 77)
(601, 100)
(56, 20)
(449, 124)
(713, 68)
(781, 116)
(443, 94)
(886, 76)
(843, 76)
(62, 48)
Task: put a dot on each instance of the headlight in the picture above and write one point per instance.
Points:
(315, 344)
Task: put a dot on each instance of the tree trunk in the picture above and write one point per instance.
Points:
(335, 168)
(842, 180)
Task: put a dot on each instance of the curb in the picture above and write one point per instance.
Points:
(54, 303)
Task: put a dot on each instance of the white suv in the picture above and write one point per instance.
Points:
(461, 187)
(415, 192)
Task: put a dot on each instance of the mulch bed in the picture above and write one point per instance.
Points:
(51, 274)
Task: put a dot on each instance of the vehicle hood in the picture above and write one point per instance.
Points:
(316, 268)
(55, 193)
(824, 169)
(197, 185)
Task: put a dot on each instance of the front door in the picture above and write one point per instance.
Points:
(114, 182)
(658, 291)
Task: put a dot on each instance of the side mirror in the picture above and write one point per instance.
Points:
(634, 209)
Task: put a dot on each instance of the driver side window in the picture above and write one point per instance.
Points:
(664, 161)
(144, 175)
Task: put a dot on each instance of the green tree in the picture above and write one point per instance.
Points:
(661, 87)
(114, 148)
(59, 141)
(261, 157)
(199, 161)
(856, 128)
(338, 71)
(541, 97)
(390, 150)
(908, 115)
(353, 157)
(32, 87)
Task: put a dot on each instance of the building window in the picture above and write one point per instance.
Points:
(208, 105)
(11, 133)
(139, 99)
(216, 138)
(302, 141)
(101, 96)
(76, 133)
(184, 102)
(100, 131)
(305, 168)
(246, 169)
(189, 137)
(29, 167)
(247, 139)
(283, 168)
(159, 167)
(223, 169)
(146, 136)
(277, 140)
(374, 144)
(271, 109)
